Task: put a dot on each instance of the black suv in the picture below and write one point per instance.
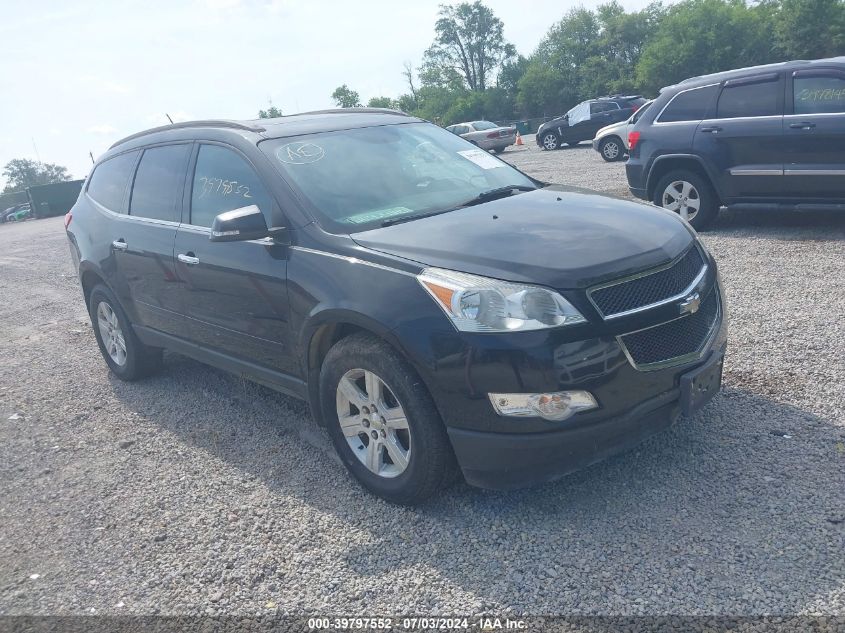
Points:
(769, 136)
(436, 307)
(583, 121)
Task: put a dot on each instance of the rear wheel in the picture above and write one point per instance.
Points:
(383, 422)
(550, 141)
(499, 150)
(127, 357)
(611, 149)
(688, 194)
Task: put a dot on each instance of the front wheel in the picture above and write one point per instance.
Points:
(383, 422)
(550, 141)
(688, 194)
(611, 149)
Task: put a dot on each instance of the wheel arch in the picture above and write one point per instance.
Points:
(671, 162)
(322, 332)
(89, 277)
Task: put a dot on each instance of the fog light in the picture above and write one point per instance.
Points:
(557, 406)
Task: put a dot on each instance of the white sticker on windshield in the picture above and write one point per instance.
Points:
(481, 158)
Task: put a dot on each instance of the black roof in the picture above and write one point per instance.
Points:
(741, 72)
(291, 125)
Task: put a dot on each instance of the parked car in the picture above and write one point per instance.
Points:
(612, 141)
(583, 121)
(21, 214)
(12, 213)
(486, 134)
(768, 136)
(437, 308)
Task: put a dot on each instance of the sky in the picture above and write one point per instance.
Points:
(78, 75)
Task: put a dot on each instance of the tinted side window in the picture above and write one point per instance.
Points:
(814, 95)
(691, 105)
(223, 181)
(158, 182)
(108, 182)
(743, 100)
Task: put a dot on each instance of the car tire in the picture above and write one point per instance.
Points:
(127, 357)
(612, 149)
(401, 462)
(499, 150)
(550, 141)
(685, 186)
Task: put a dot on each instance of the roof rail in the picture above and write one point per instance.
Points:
(354, 111)
(187, 124)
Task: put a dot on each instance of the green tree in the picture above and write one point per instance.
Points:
(808, 29)
(469, 43)
(345, 97)
(381, 102)
(698, 37)
(270, 113)
(21, 173)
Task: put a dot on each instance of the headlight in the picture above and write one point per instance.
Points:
(479, 304)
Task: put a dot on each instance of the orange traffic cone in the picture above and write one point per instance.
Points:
(519, 139)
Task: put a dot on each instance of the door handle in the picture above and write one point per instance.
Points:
(120, 245)
(188, 258)
(711, 130)
(804, 125)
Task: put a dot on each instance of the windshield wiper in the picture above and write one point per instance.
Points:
(484, 196)
(492, 194)
(413, 216)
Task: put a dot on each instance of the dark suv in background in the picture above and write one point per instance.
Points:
(770, 136)
(583, 121)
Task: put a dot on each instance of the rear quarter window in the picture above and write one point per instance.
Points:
(107, 185)
(689, 105)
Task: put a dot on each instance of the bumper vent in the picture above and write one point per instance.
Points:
(649, 288)
(675, 341)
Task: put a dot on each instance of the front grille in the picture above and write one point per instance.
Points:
(675, 339)
(649, 288)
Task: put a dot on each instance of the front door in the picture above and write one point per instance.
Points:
(815, 136)
(233, 294)
(745, 138)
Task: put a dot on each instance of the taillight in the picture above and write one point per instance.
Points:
(633, 139)
(68, 218)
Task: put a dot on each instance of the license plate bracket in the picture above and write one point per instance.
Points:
(700, 385)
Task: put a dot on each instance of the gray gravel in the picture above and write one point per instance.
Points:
(194, 492)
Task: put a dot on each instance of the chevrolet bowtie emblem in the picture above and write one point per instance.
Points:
(691, 304)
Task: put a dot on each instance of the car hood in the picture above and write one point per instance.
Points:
(613, 127)
(558, 236)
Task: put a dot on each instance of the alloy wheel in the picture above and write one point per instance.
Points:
(111, 333)
(682, 197)
(611, 150)
(374, 423)
(550, 141)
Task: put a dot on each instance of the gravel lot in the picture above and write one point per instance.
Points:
(194, 492)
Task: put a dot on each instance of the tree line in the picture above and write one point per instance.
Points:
(471, 72)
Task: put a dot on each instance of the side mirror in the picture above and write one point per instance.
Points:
(246, 223)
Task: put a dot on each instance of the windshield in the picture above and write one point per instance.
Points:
(357, 179)
(483, 125)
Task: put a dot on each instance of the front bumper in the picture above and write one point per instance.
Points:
(503, 461)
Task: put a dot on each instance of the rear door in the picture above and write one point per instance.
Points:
(143, 244)
(233, 295)
(814, 129)
(744, 140)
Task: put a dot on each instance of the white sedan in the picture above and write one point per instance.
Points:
(485, 134)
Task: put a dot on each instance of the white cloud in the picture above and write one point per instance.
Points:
(103, 128)
(107, 85)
